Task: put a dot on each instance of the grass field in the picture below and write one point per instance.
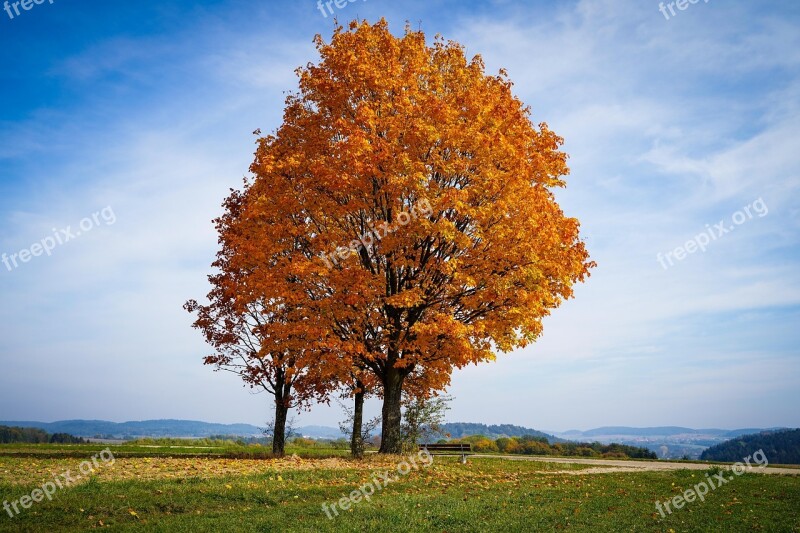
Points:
(193, 493)
(147, 450)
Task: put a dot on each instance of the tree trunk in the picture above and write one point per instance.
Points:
(357, 440)
(279, 432)
(391, 440)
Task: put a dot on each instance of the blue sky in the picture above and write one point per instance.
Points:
(147, 110)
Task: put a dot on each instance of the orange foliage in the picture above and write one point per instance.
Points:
(381, 125)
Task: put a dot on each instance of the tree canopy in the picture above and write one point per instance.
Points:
(401, 221)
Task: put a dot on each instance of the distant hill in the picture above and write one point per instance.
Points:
(662, 431)
(780, 447)
(196, 429)
(320, 432)
(145, 428)
(457, 430)
(669, 442)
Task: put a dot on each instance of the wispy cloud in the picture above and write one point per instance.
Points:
(670, 125)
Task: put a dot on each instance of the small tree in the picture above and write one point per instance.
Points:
(423, 419)
(284, 435)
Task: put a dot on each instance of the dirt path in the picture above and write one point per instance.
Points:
(605, 466)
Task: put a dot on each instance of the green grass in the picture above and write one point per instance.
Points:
(484, 495)
(148, 450)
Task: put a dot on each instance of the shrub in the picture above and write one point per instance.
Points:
(302, 442)
(484, 445)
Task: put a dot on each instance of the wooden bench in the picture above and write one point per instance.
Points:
(459, 448)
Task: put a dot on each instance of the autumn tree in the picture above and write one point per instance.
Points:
(406, 205)
(356, 428)
(359, 386)
(253, 335)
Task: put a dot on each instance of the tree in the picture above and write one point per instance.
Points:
(423, 419)
(405, 204)
(286, 429)
(356, 381)
(358, 432)
(776, 447)
(255, 335)
(17, 434)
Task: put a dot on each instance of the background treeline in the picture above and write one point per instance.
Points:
(458, 430)
(780, 447)
(536, 445)
(526, 444)
(11, 435)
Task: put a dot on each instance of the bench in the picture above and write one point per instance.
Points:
(459, 448)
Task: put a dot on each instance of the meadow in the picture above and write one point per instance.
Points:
(186, 489)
